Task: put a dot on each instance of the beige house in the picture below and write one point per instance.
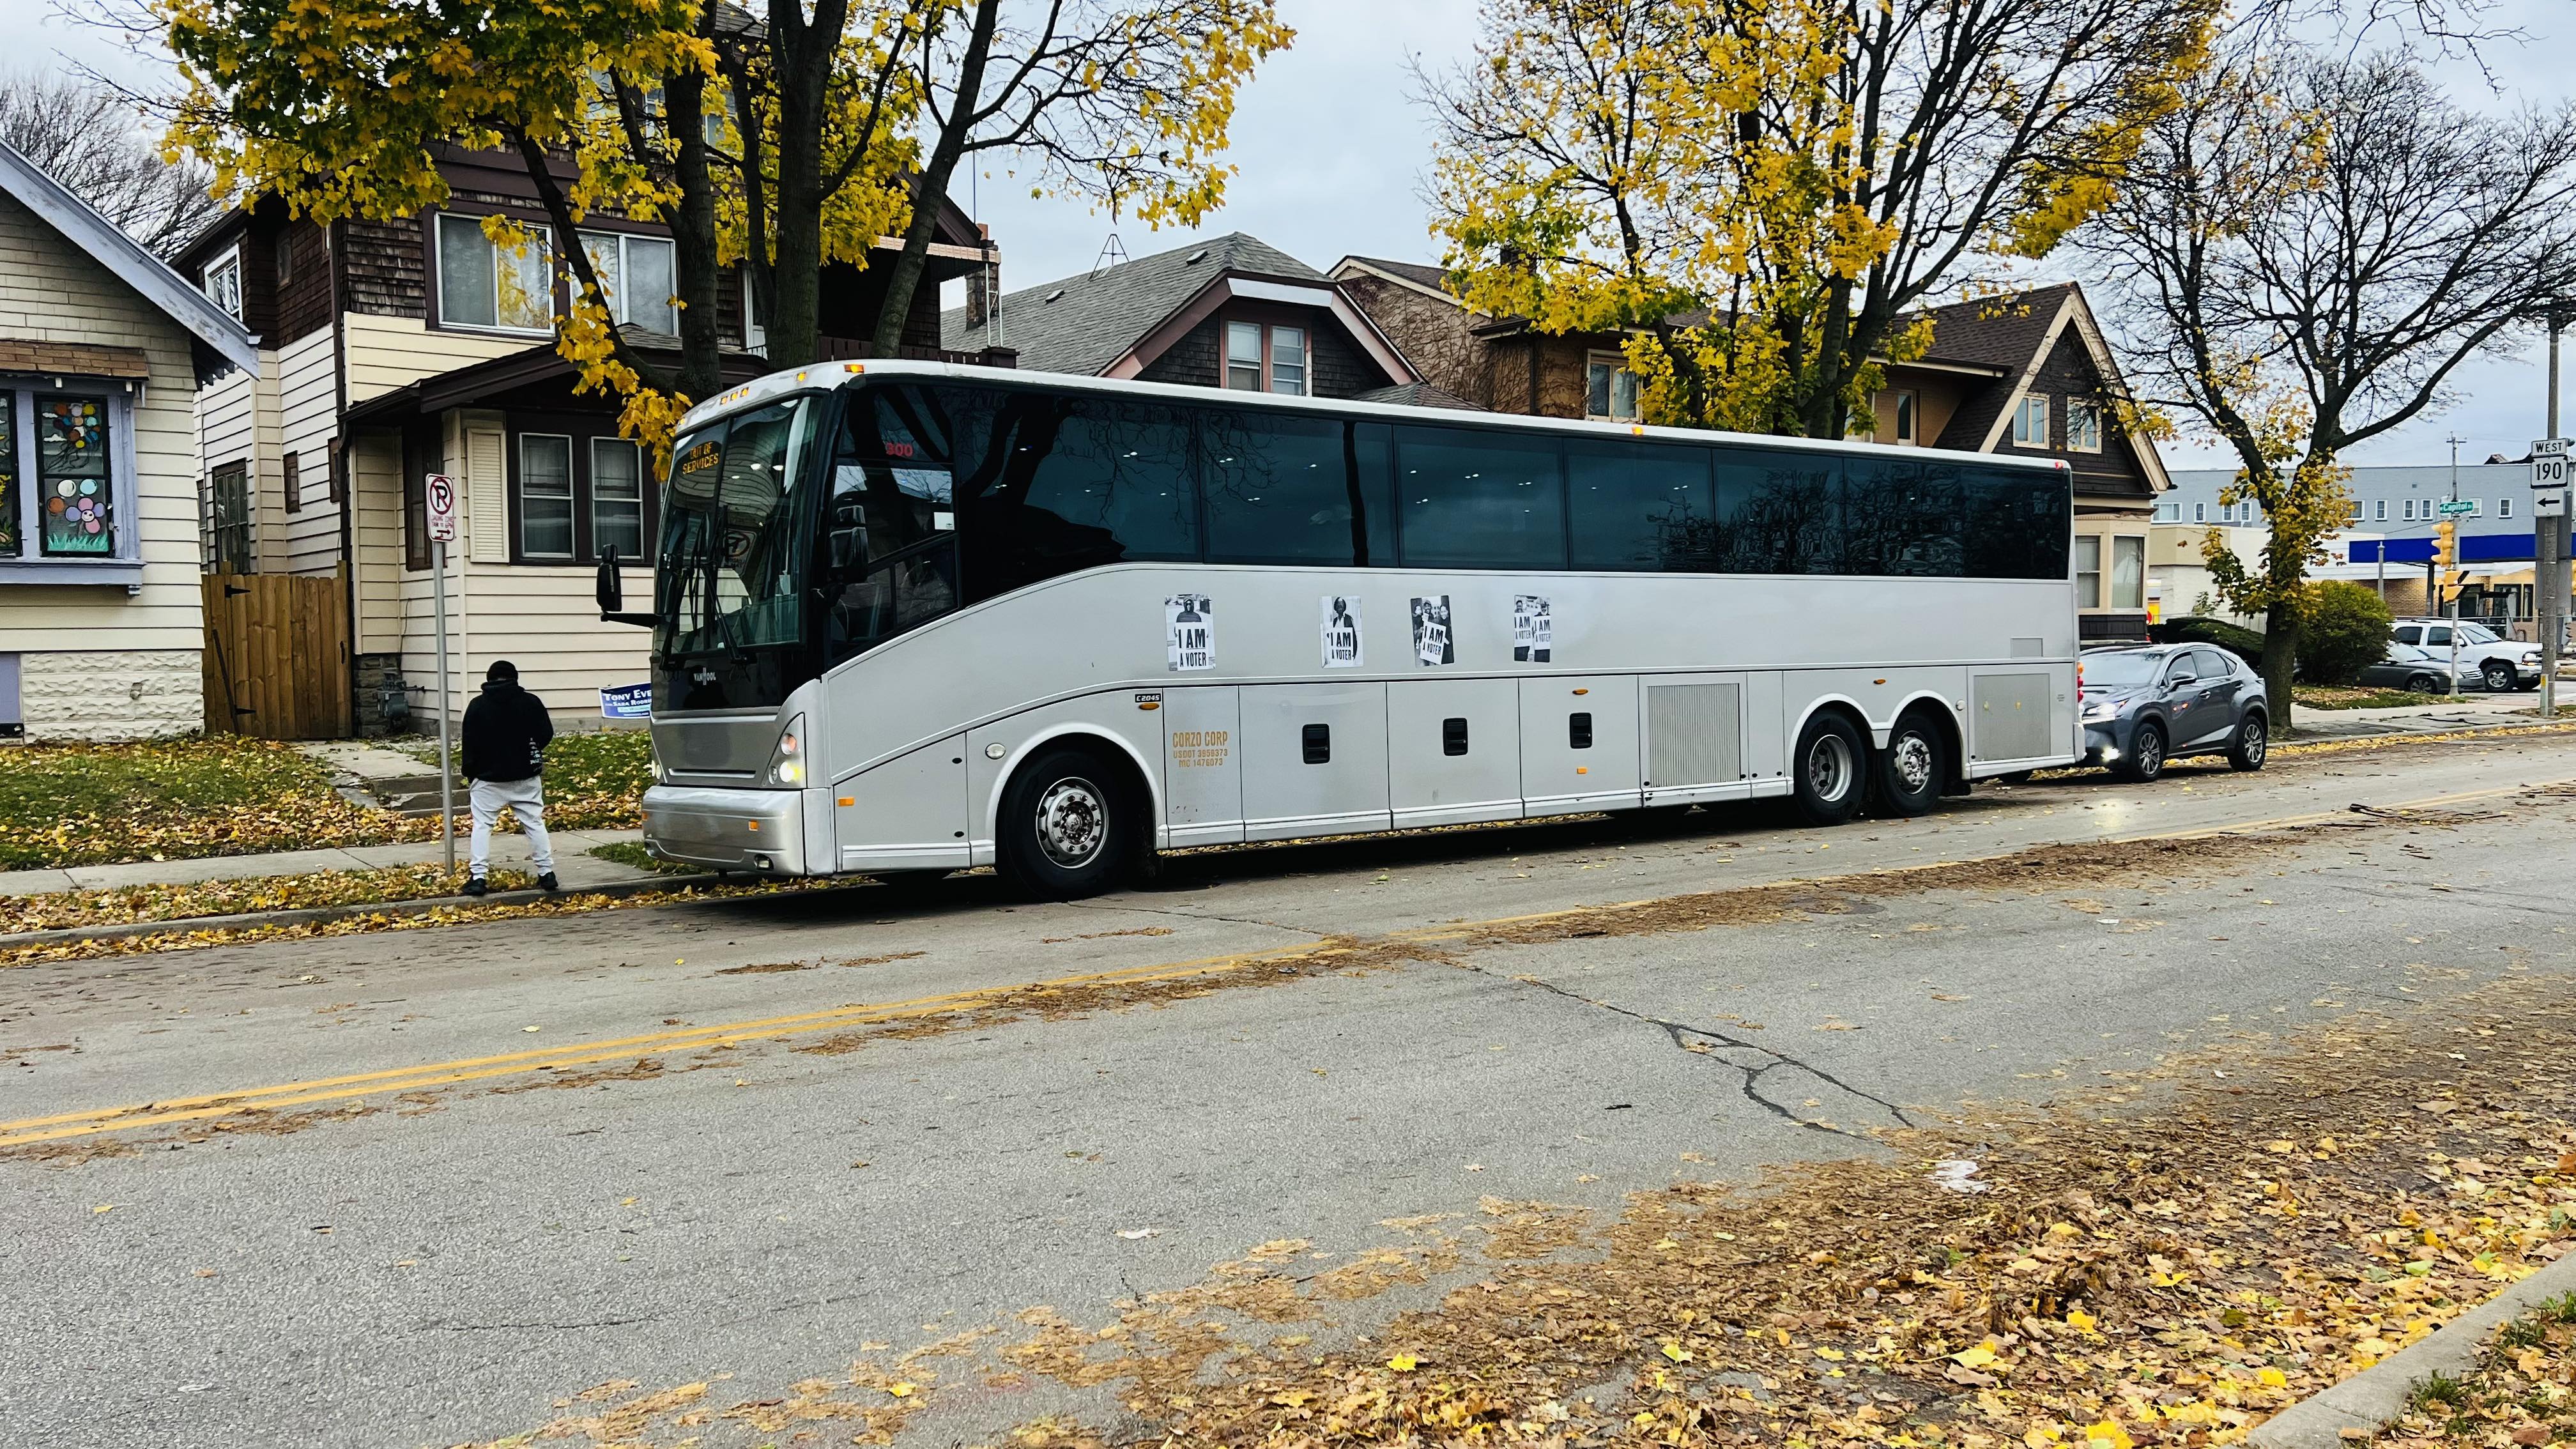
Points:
(101, 350)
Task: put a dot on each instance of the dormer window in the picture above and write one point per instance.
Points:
(484, 284)
(2083, 426)
(222, 282)
(2030, 423)
(1261, 357)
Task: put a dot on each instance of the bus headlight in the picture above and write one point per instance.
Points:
(787, 762)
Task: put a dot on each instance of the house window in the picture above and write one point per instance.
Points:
(2379, 510)
(2504, 506)
(223, 283)
(2128, 572)
(285, 257)
(1905, 426)
(2168, 513)
(484, 284)
(2088, 571)
(291, 477)
(545, 496)
(636, 273)
(2030, 423)
(2083, 426)
(2200, 513)
(616, 498)
(1610, 389)
(228, 519)
(66, 476)
(1261, 357)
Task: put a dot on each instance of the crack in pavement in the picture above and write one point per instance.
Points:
(1750, 1076)
(1115, 907)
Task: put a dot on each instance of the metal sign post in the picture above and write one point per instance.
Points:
(2549, 478)
(440, 491)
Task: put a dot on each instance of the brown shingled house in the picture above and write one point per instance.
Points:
(2024, 373)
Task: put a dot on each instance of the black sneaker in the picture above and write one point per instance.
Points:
(546, 882)
(476, 886)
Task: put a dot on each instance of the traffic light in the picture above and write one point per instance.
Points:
(2446, 546)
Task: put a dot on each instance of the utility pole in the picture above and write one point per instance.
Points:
(2549, 552)
(2452, 684)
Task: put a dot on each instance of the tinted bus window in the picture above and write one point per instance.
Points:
(1294, 490)
(1480, 500)
(1065, 483)
(890, 556)
(1639, 506)
(1778, 512)
(1902, 518)
(2018, 523)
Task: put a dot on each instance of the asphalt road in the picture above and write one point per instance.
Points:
(422, 1187)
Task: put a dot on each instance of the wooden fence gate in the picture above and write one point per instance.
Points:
(277, 656)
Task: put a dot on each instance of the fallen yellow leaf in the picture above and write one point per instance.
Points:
(2272, 1378)
(2080, 1321)
(901, 1390)
(1975, 1358)
(1404, 1363)
(1676, 1352)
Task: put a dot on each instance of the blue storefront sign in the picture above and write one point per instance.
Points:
(627, 701)
(2474, 548)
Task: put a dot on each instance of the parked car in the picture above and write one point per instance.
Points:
(2424, 671)
(2503, 664)
(2144, 706)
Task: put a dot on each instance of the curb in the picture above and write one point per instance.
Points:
(2371, 1399)
(309, 915)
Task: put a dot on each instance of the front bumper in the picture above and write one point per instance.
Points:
(753, 830)
(2106, 741)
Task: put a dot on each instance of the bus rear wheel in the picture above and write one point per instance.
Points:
(1912, 767)
(1825, 770)
(1069, 825)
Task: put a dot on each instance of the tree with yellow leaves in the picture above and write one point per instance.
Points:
(2299, 257)
(1760, 192)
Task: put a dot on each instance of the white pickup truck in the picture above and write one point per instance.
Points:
(2502, 663)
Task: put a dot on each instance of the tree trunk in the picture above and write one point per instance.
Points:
(2280, 663)
(801, 59)
(932, 185)
(694, 230)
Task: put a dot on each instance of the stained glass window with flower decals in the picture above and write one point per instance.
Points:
(8, 475)
(72, 483)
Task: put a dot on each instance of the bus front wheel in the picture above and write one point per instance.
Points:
(1068, 825)
(1825, 770)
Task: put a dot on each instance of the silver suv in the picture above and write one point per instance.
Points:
(2502, 663)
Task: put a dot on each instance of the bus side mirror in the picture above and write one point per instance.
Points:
(612, 587)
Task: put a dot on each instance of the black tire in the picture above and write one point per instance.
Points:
(2499, 676)
(1069, 826)
(1913, 767)
(1827, 772)
(2145, 760)
(2423, 684)
(2251, 745)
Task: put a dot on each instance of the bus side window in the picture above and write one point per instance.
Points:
(1641, 506)
(1070, 483)
(1902, 518)
(1578, 731)
(2017, 523)
(1318, 743)
(1293, 490)
(1479, 500)
(1778, 513)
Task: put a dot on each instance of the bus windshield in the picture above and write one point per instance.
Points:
(729, 586)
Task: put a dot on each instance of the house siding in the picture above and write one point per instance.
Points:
(95, 661)
(1432, 333)
(384, 268)
(1190, 362)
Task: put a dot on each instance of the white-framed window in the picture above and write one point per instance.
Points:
(2379, 510)
(222, 283)
(2128, 571)
(616, 498)
(1609, 388)
(2200, 513)
(2030, 423)
(2088, 571)
(2083, 426)
(2504, 506)
(545, 496)
(2168, 513)
(636, 272)
(1265, 357)
(2476, 507)
(483, 284)
(66, 478)
(1904, 414)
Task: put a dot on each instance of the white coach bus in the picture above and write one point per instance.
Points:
(913, 617)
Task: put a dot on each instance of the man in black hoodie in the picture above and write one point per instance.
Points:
(506, 732)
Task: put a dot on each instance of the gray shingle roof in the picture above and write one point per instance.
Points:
(1995, 332)
(1421, 272)
(1418, 395)
(1084, 324)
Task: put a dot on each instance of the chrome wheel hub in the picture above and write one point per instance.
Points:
(1912, 758)
(1073, 822)
(1829, 767)
(2257, 740)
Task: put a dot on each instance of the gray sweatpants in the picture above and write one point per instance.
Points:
(527, 800)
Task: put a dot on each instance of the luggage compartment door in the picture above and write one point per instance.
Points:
(1312, 759)
(1579, 744)
(1454, 750)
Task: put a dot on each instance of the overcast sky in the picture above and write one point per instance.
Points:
(1333, 149)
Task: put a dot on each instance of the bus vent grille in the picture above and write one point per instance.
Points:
(1694, 734)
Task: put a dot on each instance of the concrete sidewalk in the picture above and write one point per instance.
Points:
(574, 865)
(2438, 714)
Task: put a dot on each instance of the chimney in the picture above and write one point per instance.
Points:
(983, 284)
